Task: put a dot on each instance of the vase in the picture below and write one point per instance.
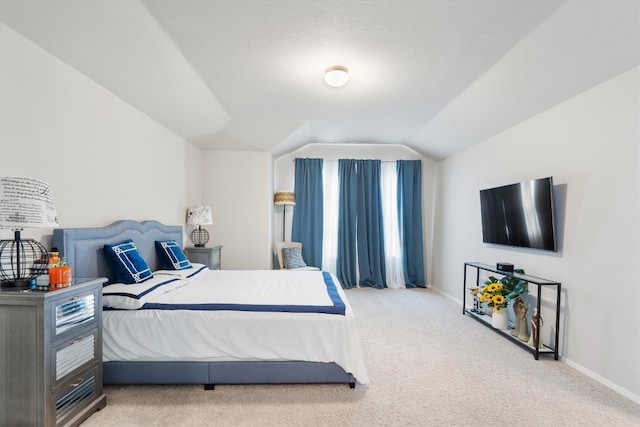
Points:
(500, 319)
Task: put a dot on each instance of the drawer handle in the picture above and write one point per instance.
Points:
(77, 383)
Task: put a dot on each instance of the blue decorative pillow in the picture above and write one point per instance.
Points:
(171, 255)
(126, 262)
(292, 258)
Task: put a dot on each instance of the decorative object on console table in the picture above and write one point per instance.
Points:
(24, 203)
(497, 293)
(536, 322)
(500, 319)
(51, 355)
(505, 266)
(199, 215)
(284, 198)
(211, 257)
(521, 329)
(476, 300)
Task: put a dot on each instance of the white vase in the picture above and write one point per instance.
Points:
(500, 319)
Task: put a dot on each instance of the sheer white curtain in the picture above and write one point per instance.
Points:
(393, 263)
(330, 223)
(392, 251)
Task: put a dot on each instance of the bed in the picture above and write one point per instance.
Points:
(215, 327)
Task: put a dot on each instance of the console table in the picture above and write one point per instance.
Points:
(536, 349)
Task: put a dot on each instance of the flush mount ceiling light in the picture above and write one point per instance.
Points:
(336, 76)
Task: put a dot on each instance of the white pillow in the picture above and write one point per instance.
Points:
(134, 296)
(186, 273)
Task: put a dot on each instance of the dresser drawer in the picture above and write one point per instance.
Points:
(74, 396)
(72, 355)
(74, 312)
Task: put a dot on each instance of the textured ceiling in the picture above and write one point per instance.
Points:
(434, 75)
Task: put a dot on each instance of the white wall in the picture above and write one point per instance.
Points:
(590, 145)
(238, 187)
(284, 178)
(104, 159)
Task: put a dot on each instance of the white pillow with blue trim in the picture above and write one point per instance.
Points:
(171, 255)
(196, 270)
(134, 296)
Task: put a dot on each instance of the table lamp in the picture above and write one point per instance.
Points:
(24, 203)
(199, 215)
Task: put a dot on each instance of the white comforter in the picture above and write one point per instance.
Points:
(200, 335)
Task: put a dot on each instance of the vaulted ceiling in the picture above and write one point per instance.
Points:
(434, 75)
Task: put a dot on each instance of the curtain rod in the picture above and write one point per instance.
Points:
(381, 161)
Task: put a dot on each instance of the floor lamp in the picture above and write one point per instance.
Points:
(284, 198)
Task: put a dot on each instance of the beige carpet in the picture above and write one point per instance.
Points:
(429, 366)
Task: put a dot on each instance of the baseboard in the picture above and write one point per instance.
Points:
(605, 382)
(445, 294)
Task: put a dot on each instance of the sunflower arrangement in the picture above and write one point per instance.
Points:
(498, 292)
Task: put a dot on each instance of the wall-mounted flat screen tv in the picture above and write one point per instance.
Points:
(520, 215)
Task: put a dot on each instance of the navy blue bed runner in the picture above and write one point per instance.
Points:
(337, 307)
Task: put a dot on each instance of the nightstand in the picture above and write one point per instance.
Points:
(51, 355)
(208, 256)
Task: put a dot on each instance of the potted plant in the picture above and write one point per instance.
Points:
(497, 293)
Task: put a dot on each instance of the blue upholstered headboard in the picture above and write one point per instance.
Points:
(83, 247)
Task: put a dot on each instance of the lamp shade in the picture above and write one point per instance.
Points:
(26, 203)
(199, 215)
(284, 198)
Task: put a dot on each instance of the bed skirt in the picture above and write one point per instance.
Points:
(211, 373)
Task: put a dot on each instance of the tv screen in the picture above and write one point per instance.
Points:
(519, 215)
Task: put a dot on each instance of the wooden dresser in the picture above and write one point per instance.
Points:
(51, 355)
